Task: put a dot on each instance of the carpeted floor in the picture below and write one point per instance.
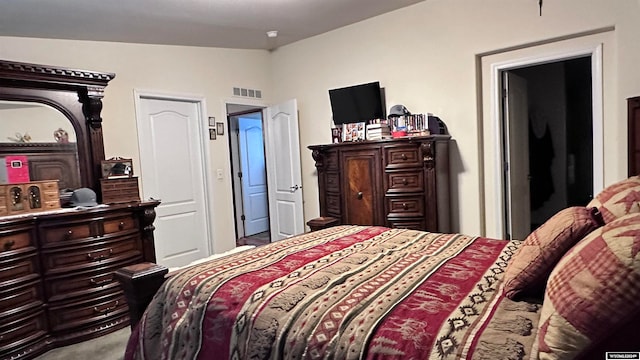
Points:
(260, 239)
(108, 347)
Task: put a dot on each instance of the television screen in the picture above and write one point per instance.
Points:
(356, 103)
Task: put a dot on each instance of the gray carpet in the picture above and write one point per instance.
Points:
(107, 347)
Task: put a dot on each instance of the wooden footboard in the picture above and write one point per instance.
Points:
(140, 282)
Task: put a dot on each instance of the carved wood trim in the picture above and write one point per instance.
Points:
(76, 93)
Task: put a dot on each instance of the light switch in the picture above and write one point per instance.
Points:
(219, 174)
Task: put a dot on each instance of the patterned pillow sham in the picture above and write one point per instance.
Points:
(618, 199)
(530, 267)
(593, 291)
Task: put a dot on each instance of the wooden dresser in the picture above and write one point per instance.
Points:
(57, 283)
(401, 183)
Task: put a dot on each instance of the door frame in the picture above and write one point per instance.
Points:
(259, 106)
(492, 180)
(234, 149)
(203, 135)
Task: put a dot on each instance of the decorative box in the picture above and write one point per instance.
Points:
(119, 190)
(28, 197)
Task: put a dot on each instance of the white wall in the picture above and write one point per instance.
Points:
(38, 121)
(208, 72)
(425, 58)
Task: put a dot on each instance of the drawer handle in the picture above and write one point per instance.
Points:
(68, 234)
(405, 206)
(403, 156)
(102, 256)
(359, 195)
(405, 181)
(121, 225)
(106, 310)
(9, 244)
(101, 282)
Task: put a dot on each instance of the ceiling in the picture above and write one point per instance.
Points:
(213, 23)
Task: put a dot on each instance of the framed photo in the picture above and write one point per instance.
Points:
(117, 167)
(353, 131)
(212, 121)
(212, 134)
(220, 128)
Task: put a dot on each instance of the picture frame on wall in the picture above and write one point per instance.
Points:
(212, 121)
(220, 128)
(212, 134)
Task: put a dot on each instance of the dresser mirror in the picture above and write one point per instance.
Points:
(52, 115)
(45, 136)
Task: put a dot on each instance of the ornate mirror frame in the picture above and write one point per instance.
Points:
(77, 94)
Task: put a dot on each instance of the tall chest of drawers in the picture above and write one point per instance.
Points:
(401, 183)
(57, 285)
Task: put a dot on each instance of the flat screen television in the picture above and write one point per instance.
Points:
(356, 103)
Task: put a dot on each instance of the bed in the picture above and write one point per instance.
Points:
(569, 290)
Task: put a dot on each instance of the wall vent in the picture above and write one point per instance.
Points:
(248, 93)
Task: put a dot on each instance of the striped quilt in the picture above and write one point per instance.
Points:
(347, 292)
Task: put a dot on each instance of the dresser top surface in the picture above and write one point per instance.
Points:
(58, 213)
(406, 139)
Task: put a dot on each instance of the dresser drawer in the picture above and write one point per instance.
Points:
(405, 206)
(124, 223)
(20, 298)
(15, 240)
(414, 224)
(397, 157)
(22, 331)
(74, 315)
(91, 256)
(89, 229)
(68, 232)
(18, 269)
(85, 283)
(405, 181)
(4, 211)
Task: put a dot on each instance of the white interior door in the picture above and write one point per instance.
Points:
(254, 176)
(516, 123)
(284, 174)
(171, 163)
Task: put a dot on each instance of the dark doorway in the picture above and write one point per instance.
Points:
(560, 137)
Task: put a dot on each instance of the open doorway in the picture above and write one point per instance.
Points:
(547, 124)
(281, 146)
(248, 167)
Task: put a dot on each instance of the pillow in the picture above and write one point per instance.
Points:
(530, 267)
(618, 199)
(593, 291)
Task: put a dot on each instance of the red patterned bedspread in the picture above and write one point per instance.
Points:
(347, 292)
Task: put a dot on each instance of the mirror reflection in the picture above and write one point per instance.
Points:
(42, 137)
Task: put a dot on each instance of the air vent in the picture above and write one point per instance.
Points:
(248, 93)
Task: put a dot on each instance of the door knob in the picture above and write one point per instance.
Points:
(359, 195)
(294, 188)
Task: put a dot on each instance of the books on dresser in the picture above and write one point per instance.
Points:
(378, 131)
